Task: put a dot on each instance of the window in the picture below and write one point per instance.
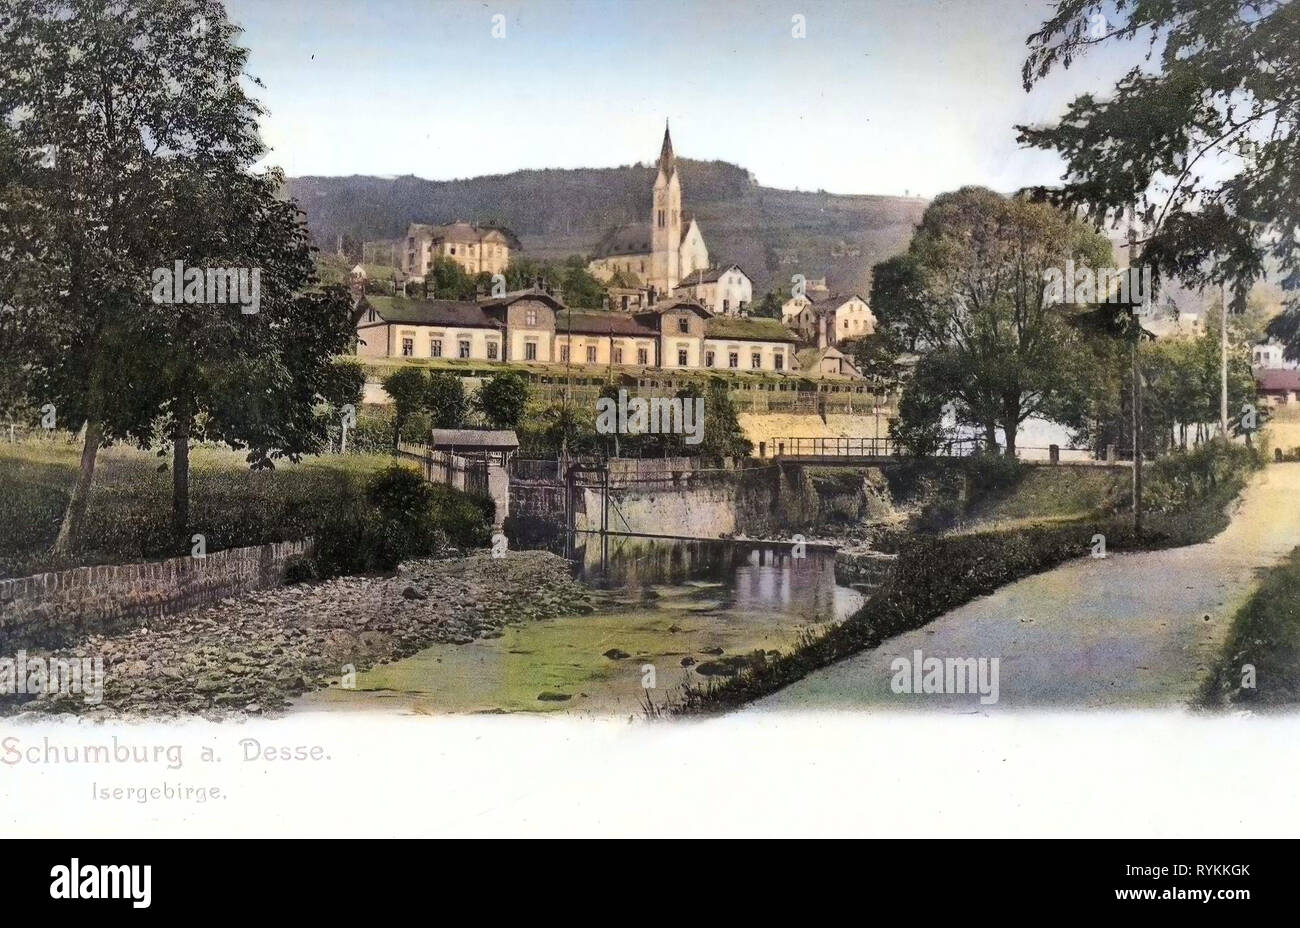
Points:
(530, 317)
(453, 249)
(371, 317)
(618, 353)
(756, 360)
(780, 361)
(684, 325)
(726, 305)
(681, 357)
(564, 353)
(408, 347)
(492, 351)
(463, 350)
(435, 348)
(591, 354)
(708, 359)
(625, 302)
(733, 359)
(642, 357)
(661, 219)
(530, 351)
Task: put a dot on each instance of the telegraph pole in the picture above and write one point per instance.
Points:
(1136, 322)
(1223, 361)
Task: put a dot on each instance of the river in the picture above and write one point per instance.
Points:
(668, 611)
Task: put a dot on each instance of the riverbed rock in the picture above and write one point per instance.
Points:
(249, 654)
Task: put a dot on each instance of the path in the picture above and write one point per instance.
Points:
(1127, 631)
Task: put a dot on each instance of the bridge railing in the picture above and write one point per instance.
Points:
(843, 447)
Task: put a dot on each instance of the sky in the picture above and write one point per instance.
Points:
(879, 96)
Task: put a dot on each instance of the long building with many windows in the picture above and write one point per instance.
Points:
(531, 326)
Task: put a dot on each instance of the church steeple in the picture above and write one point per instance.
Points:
(667, 163)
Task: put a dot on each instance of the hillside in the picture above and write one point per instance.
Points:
(772, 233)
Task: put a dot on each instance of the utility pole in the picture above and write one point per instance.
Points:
(1223, 361)
(1135, 321)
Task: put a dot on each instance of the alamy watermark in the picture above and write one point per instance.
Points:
(40, 675)
(946, 675)
(1097, 285)
(660, 415)
(181, 284)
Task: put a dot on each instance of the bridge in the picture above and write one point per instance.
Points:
(840, 450)
(872, 451)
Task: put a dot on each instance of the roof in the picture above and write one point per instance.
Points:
(475, 438)
(709, 276)
(460, 231)
(810, 359)
(514, 296)
(666, 160)
(669, 304)
(833, 301)
(601, 323)
(460, 313)
(747, 329)
(630, 239)
(1278, 380)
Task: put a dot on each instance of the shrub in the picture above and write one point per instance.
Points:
(299, 569)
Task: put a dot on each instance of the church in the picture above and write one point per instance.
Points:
(658, 254)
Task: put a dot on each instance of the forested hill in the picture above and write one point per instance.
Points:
(771, 233)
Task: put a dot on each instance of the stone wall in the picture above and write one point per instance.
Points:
(54, 609)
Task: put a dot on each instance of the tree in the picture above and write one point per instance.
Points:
(250, 380)
(114, 111)
(1201, 148)
(447, 280)
(723, 436)
(444, 399)
(409, 389)
(972, 295)
(503, 398)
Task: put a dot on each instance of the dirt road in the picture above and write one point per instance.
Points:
(1132, 630)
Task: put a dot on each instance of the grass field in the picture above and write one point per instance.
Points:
(1048, 495)
(130, 504)
(1260, 667)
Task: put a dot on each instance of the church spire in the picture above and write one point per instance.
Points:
(666, 158)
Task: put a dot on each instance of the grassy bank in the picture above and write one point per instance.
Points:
(1265, 636)
(937, 573)
(130, 504)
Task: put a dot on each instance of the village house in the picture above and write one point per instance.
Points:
(477, 250)
(830, 320)
(828, 362)
(516, 327)
(1278, 386)
(727, 291)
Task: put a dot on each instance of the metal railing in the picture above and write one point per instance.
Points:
(844, 447)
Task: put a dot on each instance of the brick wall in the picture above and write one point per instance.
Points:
(53, 609)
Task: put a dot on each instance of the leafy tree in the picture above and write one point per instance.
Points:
(723, 436)
(447, 280)
(444, 398)
(898, 300)
(977, 303)
(503, 398)
(409, 389)
(1200, 147)
(125, 123)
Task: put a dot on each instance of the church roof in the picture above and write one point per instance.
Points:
(667, 161)
(630, 239)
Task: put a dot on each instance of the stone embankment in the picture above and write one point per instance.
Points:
(250, 654)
